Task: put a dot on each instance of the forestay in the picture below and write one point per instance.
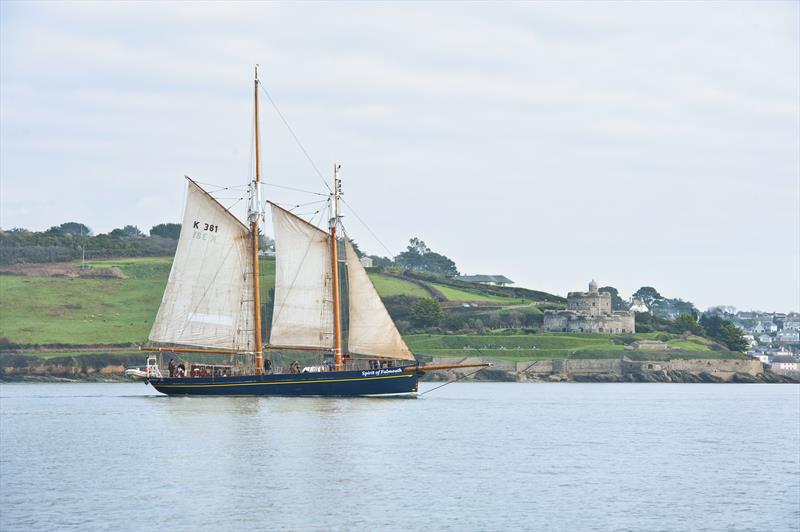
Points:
(208, 301)
(372, 330)
(303, 310)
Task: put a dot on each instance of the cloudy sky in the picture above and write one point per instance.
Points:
(634, 143)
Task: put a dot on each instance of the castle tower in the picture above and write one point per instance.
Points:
(593, 287)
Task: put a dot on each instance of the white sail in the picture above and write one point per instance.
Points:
(372, 331)
(208, 301)
(303, 310)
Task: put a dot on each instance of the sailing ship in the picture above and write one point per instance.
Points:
(211, 307)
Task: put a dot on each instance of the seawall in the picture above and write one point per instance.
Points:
(111, 367)
(614, 370)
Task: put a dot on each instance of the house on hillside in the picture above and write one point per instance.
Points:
(367, 262)
(496, 280)
(791, 323)
(788, 336)
(765, 327)
(637, 305)
(782, 363)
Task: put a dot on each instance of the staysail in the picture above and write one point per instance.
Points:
(209, 295)
(303, 311)
(372, 331)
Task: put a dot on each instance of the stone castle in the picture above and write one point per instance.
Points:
(589, 312)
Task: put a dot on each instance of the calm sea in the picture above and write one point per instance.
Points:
(482, 456)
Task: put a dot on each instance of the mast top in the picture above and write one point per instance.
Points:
(335, 196)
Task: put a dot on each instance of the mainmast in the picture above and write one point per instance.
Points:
(253, 215)
(337, 322)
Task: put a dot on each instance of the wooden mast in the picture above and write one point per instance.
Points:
(337, 322)
(254, 215)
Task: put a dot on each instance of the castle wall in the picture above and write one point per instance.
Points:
(570, 321)
(592, 303)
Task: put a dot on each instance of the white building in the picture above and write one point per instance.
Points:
(785, 363)
(367, 262)
(765, 327)
(791, 323)
(637, 305)
(788, 337)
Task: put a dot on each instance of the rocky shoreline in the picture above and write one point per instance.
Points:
(618, 370)
(16, 367)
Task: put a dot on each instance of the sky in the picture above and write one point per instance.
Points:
(640, 143)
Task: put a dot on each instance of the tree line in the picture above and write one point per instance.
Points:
(70, 240)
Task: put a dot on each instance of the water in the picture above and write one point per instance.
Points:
(482, 456)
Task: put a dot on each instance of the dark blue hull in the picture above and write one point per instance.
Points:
(337, 383)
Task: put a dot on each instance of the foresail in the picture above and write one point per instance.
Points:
(208, 301)
(372, 331)
(303, 310)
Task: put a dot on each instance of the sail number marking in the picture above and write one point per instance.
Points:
(211, 228)
(205, 231)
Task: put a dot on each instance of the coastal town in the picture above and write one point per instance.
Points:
(774, 337)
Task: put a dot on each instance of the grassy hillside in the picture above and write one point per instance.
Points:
(392, 286)
(459, 294)
(38, 309)
(553, 345)
(73, 310)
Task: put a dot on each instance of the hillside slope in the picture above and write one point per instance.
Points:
(68, 309)
(74, 311)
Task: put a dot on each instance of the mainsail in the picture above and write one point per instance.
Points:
(208, 301)
(303, 310)
(372, 330)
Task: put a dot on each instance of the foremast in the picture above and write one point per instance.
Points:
(337, 321)
(254, 213)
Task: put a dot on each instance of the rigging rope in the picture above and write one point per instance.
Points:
(296, 139)
(295, 189)
(367, 227)
(461, 377)
(452, 381)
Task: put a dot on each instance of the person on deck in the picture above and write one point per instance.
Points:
(171, 367)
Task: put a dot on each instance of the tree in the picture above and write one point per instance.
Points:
(647, 294)
(411, 258)
(265, 242)
(617, 303)
(172, 231)
(426, 312)
(132, 230)
(117, 232)
(688, 323)
(724, 332)
(75, 228)
(384, 262)
(357, 249)
(418, 256)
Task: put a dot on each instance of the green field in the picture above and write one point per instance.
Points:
(76, 310)
(549, 345)
(44, 310)
(86, 311)
(388, 286)
(456, 294)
